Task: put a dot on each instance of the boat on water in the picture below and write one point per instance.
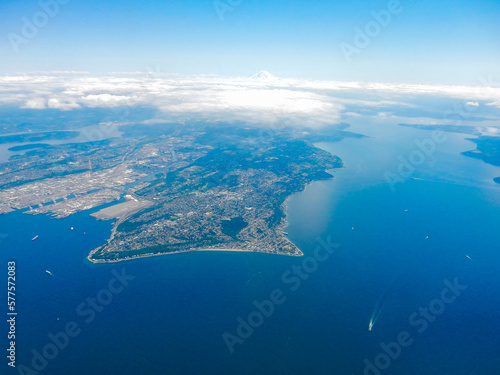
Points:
(50, 273)
(34, 238)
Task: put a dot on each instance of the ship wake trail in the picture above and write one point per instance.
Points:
(379, 306)
(375, 315)
(55, 276)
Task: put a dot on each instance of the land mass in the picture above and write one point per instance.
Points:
(37, 137)
(464, 129)
(29, 147)
(187, 187)
(487, 147)
(487, 150)
(231, 196)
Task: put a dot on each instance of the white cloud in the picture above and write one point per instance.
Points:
(259, 99)
(491, 131)
(106, 100)
(383, 114)
(56, 104)
(351, 114)
(495, 103)
(35, 103)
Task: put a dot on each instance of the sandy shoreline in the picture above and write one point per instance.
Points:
(97, 261)
(280, 227)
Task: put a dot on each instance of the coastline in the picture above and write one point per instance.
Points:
(100, 261)
(279, 229)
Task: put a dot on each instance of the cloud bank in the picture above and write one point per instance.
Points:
(257, 99)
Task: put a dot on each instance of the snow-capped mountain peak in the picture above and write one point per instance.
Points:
(263, 75)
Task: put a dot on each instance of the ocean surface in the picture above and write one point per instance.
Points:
(397, 248)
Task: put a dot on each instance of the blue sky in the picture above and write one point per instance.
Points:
(445, 42)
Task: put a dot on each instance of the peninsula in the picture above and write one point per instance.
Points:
(177, 187)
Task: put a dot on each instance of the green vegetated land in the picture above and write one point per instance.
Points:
(488, 150)
(487, 147)
(29, 146)
(37, 137)
(226, 189)
(210, 185)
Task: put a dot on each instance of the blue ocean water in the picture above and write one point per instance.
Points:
(397, 248)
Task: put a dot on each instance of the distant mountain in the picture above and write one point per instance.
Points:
(263, 75)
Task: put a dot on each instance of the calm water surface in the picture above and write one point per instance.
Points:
(397, 247)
